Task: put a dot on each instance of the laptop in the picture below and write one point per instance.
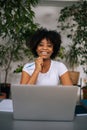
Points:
(54, 103)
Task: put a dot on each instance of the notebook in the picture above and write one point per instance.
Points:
(32, 102)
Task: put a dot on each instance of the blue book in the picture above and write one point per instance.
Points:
(84, 103)
(80, 110)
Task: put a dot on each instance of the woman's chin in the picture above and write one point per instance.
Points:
(46, 58)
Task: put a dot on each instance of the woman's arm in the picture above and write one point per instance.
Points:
(65, 79)
(27, 79)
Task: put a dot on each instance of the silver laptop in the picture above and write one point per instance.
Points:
(31, 102)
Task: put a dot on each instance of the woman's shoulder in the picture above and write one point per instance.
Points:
(29, 65)
(58, 63)
(60, 67)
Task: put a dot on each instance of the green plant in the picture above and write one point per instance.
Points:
(73, 21)
(72, 57)
(61, 53)
(16, 26)
(18, 69)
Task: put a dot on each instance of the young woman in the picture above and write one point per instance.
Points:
(45, 45)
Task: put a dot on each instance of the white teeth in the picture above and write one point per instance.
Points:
(44, 53)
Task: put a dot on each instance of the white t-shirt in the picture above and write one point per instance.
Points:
(49, 78)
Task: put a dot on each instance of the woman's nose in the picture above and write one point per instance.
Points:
(44, 47)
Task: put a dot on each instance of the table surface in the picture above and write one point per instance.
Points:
(8, 123)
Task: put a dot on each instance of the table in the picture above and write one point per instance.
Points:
(8, 123)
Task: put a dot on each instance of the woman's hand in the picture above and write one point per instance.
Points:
(39, 64)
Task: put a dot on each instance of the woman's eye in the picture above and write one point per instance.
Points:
(40, 44)
(49, 45)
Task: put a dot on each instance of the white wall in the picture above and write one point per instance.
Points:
(47, 16)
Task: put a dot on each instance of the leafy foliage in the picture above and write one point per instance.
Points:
(74, 19)
(16, 19)
(16, 26)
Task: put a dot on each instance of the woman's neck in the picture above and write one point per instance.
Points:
(46, 65)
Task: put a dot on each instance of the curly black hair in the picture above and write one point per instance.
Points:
(51, 35)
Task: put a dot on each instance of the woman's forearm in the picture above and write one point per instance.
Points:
(33, 77)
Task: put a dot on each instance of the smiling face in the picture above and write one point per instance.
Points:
(44, 49)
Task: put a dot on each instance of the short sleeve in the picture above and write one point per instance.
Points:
(62, 69)
(29, 68)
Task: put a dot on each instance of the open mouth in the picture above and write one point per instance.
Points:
(44, 53)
